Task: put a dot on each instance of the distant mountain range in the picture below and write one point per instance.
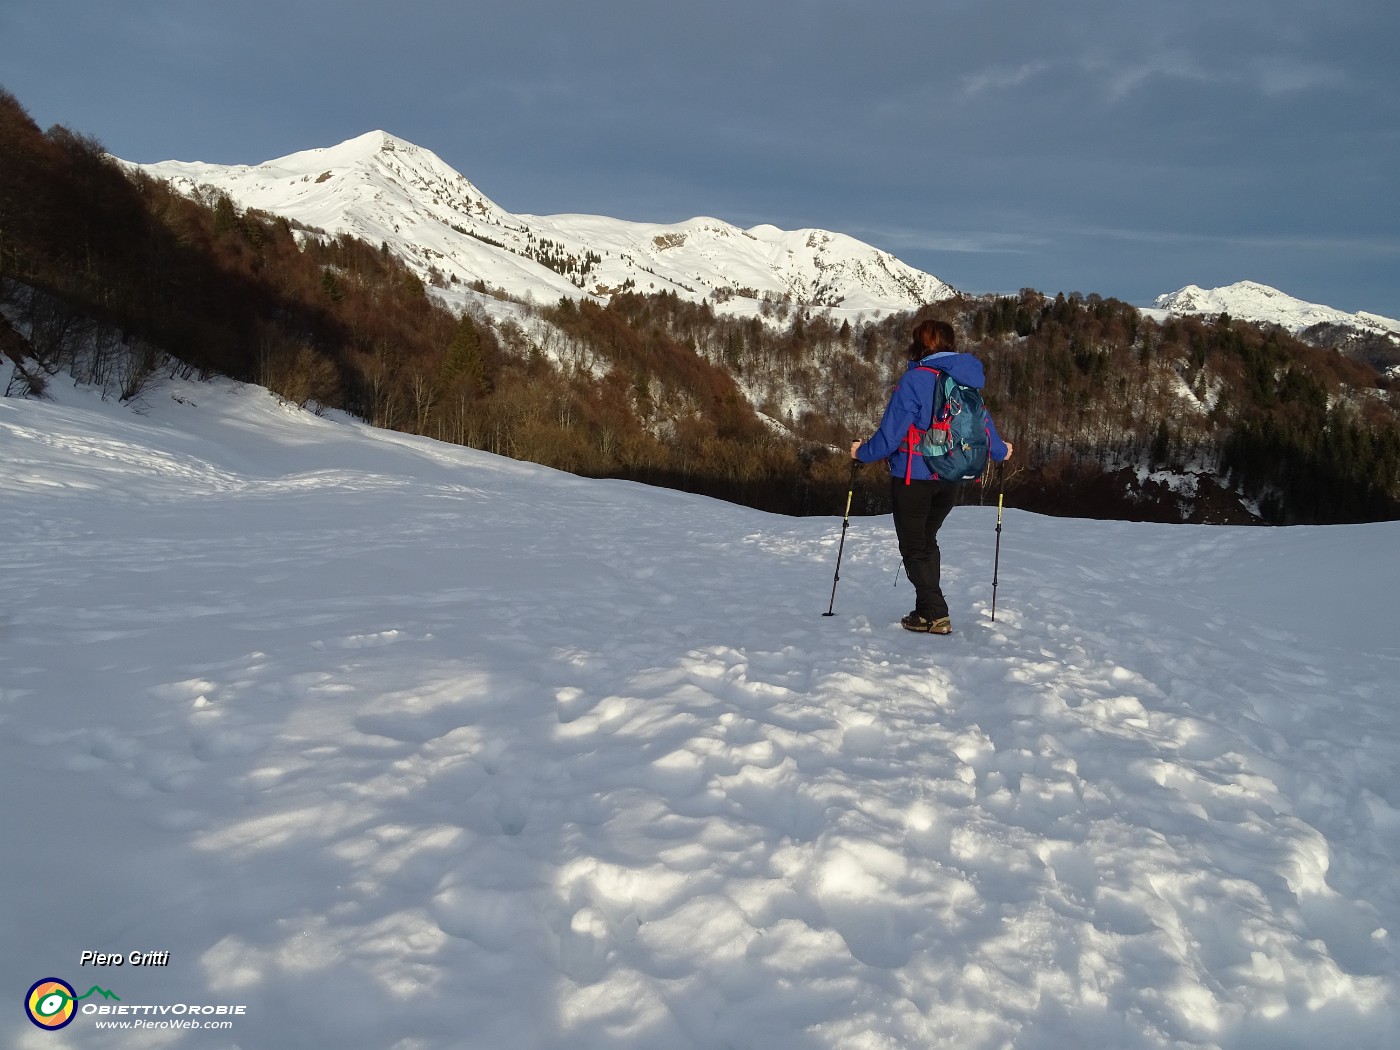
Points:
(388, 191)
(1260, 304)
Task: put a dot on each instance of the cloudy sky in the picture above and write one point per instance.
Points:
(1125, 148)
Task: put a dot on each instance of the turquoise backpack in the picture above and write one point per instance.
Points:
(955, 446)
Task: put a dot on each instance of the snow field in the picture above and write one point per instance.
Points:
(408, 746)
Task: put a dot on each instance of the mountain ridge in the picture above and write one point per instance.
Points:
(1259, 303)
(387, 190)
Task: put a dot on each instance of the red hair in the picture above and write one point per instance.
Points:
(931, 337)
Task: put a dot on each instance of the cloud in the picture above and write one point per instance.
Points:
(1279, 75)
(1205, 240)
(963, 242)
(1264, 75)
(1119, 78)
(1002, 78)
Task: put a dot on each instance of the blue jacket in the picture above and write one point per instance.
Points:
(912, 403)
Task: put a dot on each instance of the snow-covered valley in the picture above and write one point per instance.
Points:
(396, 744)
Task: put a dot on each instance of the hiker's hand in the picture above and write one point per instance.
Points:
(1009, 448)
(855, 445)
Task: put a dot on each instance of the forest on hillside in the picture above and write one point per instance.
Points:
(115, 279)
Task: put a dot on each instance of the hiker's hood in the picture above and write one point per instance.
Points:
(964, 368)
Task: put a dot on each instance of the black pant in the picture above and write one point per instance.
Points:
(919, 509)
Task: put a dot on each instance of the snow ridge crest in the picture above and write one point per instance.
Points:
(387, 190)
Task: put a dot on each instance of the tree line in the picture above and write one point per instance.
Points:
(117, 279)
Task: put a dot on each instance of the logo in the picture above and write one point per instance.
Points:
(52, 1003)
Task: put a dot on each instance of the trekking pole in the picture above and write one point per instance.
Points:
(845, 523)
(996, 562)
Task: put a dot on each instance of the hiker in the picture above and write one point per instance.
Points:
(921, 499)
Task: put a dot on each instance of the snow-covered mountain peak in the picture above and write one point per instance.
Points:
(1261, 304)
(360, 150)
(386, 190)
(373, 180)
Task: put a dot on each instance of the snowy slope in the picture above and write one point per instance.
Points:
(386, 190)
(1249, 301)
(326, 714)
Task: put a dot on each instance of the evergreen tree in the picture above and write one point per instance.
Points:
(464, 361)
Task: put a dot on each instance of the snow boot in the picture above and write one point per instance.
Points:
(918, 622)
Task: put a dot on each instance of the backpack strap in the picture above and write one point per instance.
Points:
(940, 395)
(915, 435)
(911, 449)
